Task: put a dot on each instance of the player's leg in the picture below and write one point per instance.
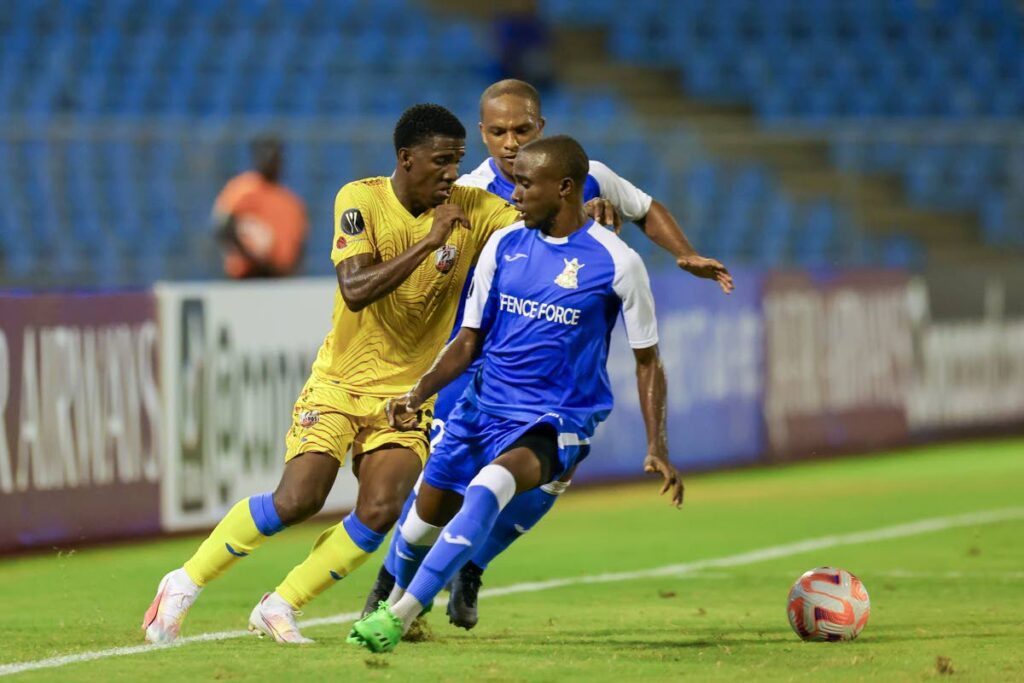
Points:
(304, 485)
(386, 476)
(446, 401)
(518, 517)
(526, 464)
(386, 462)
(385, 581)
(433, 509)
(380, 630)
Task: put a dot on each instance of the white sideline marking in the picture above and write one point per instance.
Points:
(980, 576)
(923, 526)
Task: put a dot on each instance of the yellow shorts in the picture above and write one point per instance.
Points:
(329, 419)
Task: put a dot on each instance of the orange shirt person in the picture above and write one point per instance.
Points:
(260, 224)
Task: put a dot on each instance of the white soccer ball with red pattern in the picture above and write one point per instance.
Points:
(828, 604)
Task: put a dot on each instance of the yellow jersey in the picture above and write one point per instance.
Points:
(386, 347)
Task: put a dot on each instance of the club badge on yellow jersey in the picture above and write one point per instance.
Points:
(444, 258)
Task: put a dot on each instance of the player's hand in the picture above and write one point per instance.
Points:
(669, 475)
(446, 218)
(603, 211)
(402, 412)
(709, 269)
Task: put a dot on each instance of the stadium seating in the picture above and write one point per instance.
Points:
(122, 118)
(943, 64)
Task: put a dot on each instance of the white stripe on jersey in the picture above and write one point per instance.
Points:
(631, 202)
(633, 287)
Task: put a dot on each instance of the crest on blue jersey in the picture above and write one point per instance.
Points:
(567, 279)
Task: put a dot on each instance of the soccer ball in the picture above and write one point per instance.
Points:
(828, 604)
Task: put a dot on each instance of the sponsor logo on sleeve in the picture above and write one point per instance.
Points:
(352, 222)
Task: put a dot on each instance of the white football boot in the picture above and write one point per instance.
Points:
(174, 597)
(273, 616)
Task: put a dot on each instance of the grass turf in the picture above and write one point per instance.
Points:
(956, 594)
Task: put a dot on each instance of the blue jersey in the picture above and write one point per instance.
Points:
(487, 176)
(546, 307)
(631, 203)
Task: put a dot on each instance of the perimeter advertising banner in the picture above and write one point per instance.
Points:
(235, 357)
(968, 339)
(124, 414)
(81, 419)
(839, 361)
(711, 347)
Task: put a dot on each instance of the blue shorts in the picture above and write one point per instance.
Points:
(445, 404)
(473, 439)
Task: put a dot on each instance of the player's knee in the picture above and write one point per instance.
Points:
(379, 513)
(297, 506)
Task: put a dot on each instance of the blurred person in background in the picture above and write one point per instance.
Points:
(259, 223)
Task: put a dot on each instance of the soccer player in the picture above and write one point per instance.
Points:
(510, 117)
(403, 247)
(545, 296)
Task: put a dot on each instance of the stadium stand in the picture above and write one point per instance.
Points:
(943, 65)
(121, 118)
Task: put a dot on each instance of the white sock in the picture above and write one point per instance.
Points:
(275, 600)
(183, 582)
(395, 595)
(407, 609)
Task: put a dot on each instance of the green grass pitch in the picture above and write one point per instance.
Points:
(952, 593)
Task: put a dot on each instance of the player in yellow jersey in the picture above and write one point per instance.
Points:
(402, 249)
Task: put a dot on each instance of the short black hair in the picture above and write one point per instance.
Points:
(423, 121)
(566, 156)
(510, 86)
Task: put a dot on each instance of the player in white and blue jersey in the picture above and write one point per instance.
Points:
(545, 297)
(510, 117)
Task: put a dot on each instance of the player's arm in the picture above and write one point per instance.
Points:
(453, 360)
(363, 280)
(633, 287)
(661, 227)
(651, 384)
(457, 356)
(656, 222)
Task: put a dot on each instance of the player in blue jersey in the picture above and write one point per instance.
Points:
(510, 117)
(545, 297)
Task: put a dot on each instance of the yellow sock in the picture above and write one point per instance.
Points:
(337, 553)
(246, 526)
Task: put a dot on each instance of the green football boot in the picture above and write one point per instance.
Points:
(379, 631)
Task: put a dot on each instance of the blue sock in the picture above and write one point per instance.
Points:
(391, 559)
(264, 514)
(523, 511)
(408, 558)
(467, 530)
(365, 538)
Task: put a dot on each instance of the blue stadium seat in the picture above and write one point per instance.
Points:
(292, 64)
